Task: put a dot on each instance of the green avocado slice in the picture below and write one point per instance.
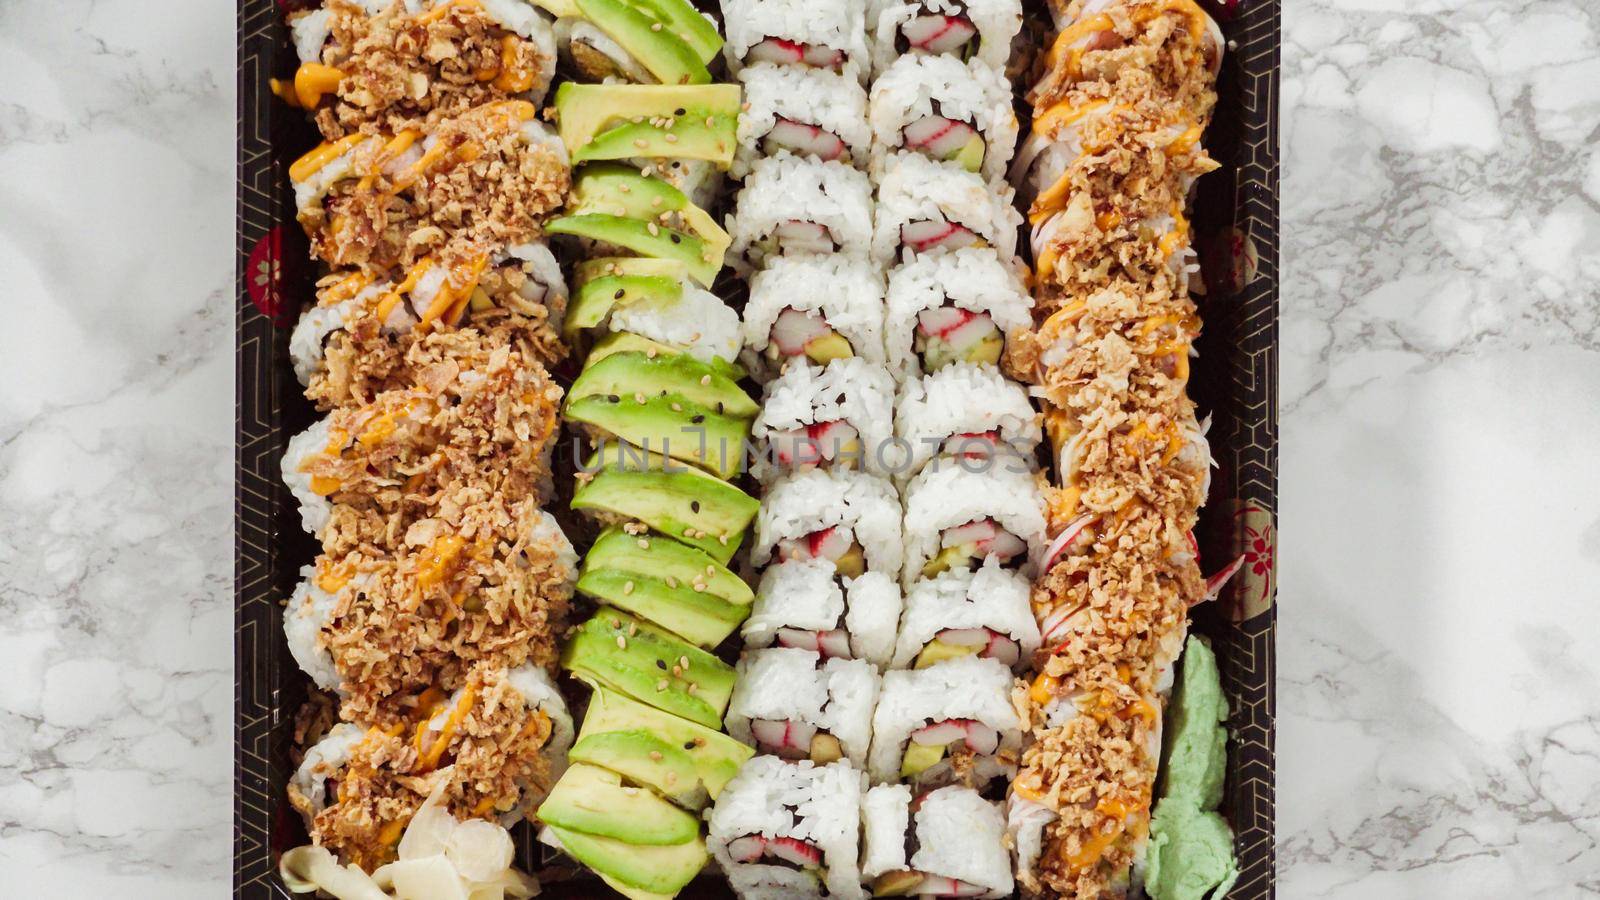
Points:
(637, 658)
(597, 297)
(685, 430)
(701, 261)
(716, 757)
(684, 21)
(674, 499)
(603, 121)
(673, 585)
(663, 53)
(644, 758)
(595, 801)
(658, 870)
(676, 374)
(626, 342)
(615, 189)
(601, 266)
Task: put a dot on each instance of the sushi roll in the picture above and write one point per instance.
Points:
(796, 704)
(926, 207)
(850, 519)
(803, 603)
(949, 111)
(789, 830)
(837, 416)
(309, 491)
(957, 515)
(804, 112)
(315, 784)
(946, 843)
(965, 411)
(980, 30)
(953, 307)
(797, 206)
(506, 48)
(310, 610)
(818, 34)
(657, 309)
(637, 41)
(524, 279)
(957, 614)
(813, 309)
(945, 724)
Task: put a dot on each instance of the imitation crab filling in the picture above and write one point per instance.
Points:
(945, 139)
(791, 739)
(959, 751)
(828, 644)
(801, 237)
(965, 546)
(793, 53)
(778, 851)
(928, 235)
(934, 32)
(796, 334)
(835, 443)
(948, 334)
(804, 139)
(835, 544)
(956, 642)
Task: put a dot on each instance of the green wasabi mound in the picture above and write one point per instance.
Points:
(1190, 856)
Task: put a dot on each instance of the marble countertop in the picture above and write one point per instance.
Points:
(1439, 695)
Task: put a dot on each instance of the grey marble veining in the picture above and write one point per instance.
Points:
(1439, 658)
(116, 252)
(1439, 687)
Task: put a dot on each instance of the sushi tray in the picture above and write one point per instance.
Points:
(756, 449)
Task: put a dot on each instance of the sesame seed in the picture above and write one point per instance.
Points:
(624, 189)
(627, 588)
(655, 201)
(671, 138)
(705, 379)
(699, 587)
(710, 569)
(633, 628)
(661, 685)
(711, 121)
(683, 661)
(641, 143)
(639, 397)
(622, 642)
(655, 26)
(653, 228)
(677, 670)
(656, 755)
(672, 582)
(644, 544)
(677, 407)
(651, 353)
(671, 777)
(723, 539)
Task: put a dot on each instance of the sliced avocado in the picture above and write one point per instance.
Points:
(626, 342)
(646, 759)
(919, 758)
(658, 870)
(673, 585)
(970, 156)
(667, 56)
(632, 893)
(599, 296)
(678, 500)
(703, 121)
(937, 651)
(716, 756)
(829, 347)
(601, 266)
(853, 562)
(702, 261)
(638, 658)
(899, 883)
(949, 558)
(674, 374)
(685, 430)
(683, 20)
(594, 801)
(986, 352)
(617, 189)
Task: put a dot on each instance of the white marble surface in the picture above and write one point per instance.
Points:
(1439, 693)
(116, 256)
(1439, 659)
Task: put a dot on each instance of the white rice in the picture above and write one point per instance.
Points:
(311, 332)
(310, 32)
(997, 21)
(699, 322)
(820, 805)
(788, 188)
(914, 188)
(326, 759)
(808, 502)
(990, 597)
(948, 494)
(309, 193)
(846, 291)
(805, 595)
(885, 820)
(964, 688)
(837, 24)
(315, 509)
(790, 684)
(963, 398)
(961, 835)
(849, 390)
(304, 618)
(972, 278)
(919, 85)
(833, 102)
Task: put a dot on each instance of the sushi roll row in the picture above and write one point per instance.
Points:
(901, 512)
(430, 617)
(658, 401)
(1119, 109)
